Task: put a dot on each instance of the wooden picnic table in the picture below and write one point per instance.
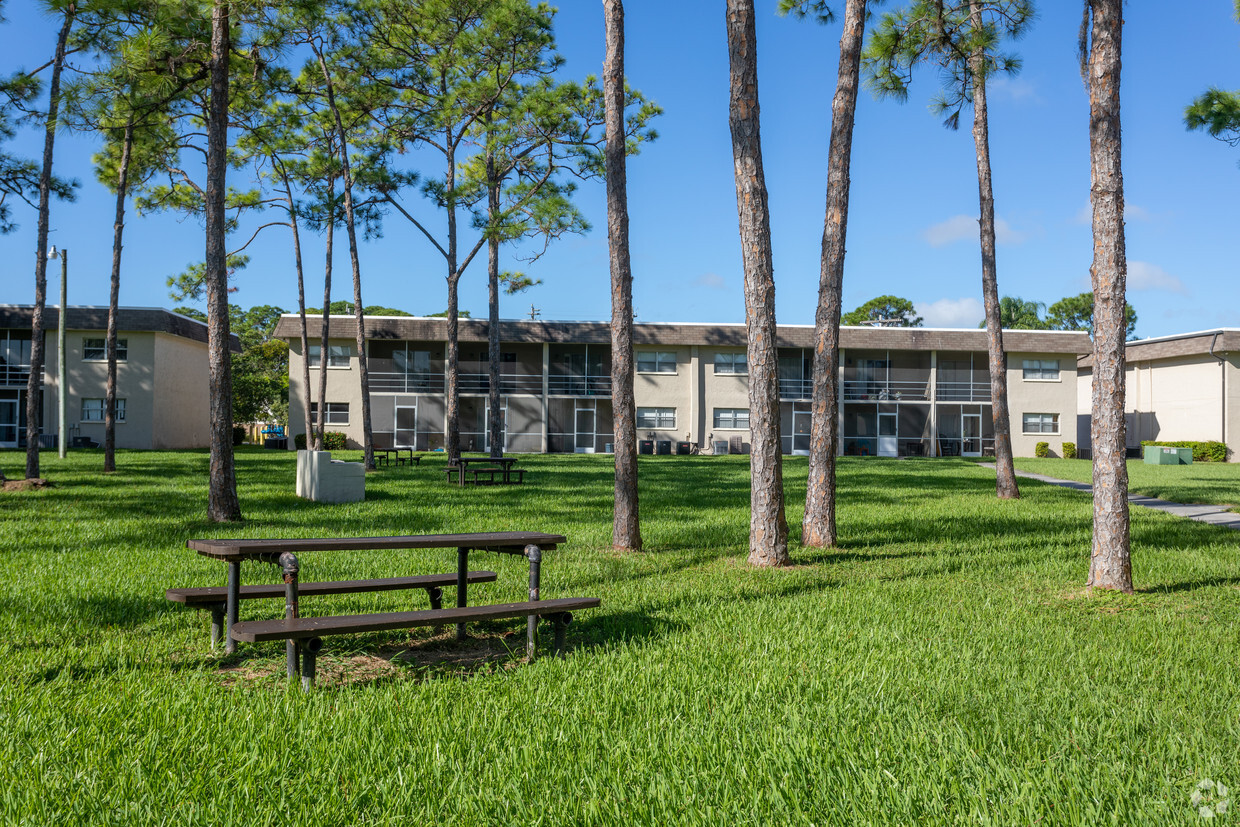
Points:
(463, 463)
(389, 453)
(282, 552)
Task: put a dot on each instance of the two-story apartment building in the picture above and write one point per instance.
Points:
(906, 391)
(161, 377)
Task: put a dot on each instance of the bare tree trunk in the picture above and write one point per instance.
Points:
(495, 411)
(222, 502)
(626, 526)
(818, 528)
(329, 244)
(114, 295)
(350, 223)
(768, 530)
(34, 386)
(1110, 565)
(1005, 476)
(301, 304)
(452, 392)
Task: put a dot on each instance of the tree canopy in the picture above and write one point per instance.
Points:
(1077, 313)
(1016, 313)
(894, 310)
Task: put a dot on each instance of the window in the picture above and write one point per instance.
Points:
(1042, 370)
(656, 361)
(96, 350)
(731, 418)
(656, 417)
(92, 410)
(731, 363)
(337, 413)
(337, 356)
(1041, 423)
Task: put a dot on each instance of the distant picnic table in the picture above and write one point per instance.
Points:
(485, 471)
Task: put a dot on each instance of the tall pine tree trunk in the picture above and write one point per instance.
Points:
(301, 300)
(350, 223)
(34, 386)
(626, 527)
(1110, 565)
(818, 528)
(452, 391)
(1005, 476)
(768, 529)
(494, 410)
(222, 502)
(114, 295)
(329, 244)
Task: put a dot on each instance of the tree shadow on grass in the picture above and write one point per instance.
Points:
(1190, 585)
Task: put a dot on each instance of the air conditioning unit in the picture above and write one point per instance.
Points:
(721, 446)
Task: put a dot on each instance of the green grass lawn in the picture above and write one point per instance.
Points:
(1212, 483)
(944, 666)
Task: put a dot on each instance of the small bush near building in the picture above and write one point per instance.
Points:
(1202, 451)
(332, 441)
(1042, 449)
(1069, 450)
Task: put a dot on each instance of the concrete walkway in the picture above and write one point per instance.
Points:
(1212, 514)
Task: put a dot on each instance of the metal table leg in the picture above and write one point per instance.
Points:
(462, 579)
(534, 555)
(230, 608)
(288, 563)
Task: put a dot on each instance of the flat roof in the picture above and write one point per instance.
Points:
(426, 328)
(92, 318)
(1196, 343)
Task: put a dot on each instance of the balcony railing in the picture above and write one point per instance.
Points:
(15, 376)
(579, 385)
(861, 390)
(796, 388)
(963, 391)
(475, 383)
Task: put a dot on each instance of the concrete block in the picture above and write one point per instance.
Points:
(325, 480)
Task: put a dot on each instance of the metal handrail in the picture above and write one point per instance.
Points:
(963, 392)
(864, 389)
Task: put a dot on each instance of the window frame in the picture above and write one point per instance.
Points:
(660, 363)
(315, 356)
(101, 409)
(88, 347)
(729, 360)
(337, 406)
(1042, 422)
(1036, 370)
(660, 415)
(732, 413)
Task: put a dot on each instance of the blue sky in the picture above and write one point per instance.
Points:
(912, 229)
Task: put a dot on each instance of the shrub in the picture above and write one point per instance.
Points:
(1202, 451)
(1069, 450)
(332, 441)
(238, 435)
(1042, 449)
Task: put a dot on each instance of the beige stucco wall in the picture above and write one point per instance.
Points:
(1177, 399)
(667, 390)
(721, 390)
(343, 385)
(135, 381)
(182, 399)
(1041, 396)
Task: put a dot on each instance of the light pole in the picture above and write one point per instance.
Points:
(62, 389)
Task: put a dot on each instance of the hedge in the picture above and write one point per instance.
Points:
(1202, 451)
(1069, 450)
(332, 441)
(1042, 449)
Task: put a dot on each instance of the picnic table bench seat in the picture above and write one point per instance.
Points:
(214, 597)
(307, 631)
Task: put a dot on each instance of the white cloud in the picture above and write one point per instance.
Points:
(953, 229)
(965, 312)
(1014, 89)
(962, 227)
(1145, 276)
(711, 280)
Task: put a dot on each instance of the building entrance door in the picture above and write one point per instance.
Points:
(406, 427)
(503, 427)
(802, 425)
(888, 446)
(583, 442)
(971, 435)
(8, 422)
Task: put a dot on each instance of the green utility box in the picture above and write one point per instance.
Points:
(1158, 455)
